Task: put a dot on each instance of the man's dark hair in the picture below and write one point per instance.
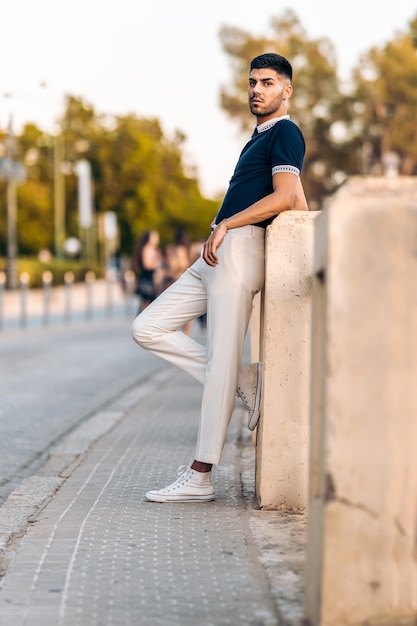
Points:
(274, 61)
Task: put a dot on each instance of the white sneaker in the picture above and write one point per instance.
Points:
(190, 486)
(250, 389)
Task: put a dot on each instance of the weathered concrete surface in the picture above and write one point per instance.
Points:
(283, 430)
(362, 559)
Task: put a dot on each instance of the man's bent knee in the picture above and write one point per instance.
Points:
(143, 333)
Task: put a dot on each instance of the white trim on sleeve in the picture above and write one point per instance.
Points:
(286, 168)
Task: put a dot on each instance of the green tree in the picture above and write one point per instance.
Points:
(137, 172)
(35, 195)
(386, 85)
(3, 207)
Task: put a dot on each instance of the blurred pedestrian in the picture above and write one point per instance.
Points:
(196, 251)
(146, 262)
(177, 259)
(178, 255)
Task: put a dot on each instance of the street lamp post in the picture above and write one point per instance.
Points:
(11, 261)
(59, 196)
(13, 172)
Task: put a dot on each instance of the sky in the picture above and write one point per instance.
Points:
(162, 59)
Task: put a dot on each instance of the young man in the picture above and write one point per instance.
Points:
(225, 279)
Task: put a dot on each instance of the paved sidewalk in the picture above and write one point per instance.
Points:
(99, 554)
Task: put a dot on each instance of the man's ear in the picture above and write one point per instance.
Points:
(288, 91)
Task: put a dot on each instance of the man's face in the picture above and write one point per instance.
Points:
(268, 93)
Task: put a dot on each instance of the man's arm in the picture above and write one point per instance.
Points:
(283, 198)
(300, 203)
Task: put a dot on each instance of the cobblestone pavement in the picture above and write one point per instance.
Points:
(99, 554)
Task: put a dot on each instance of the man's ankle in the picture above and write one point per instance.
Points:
(199, 466)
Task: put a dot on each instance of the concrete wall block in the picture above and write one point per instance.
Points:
(255, 329)
(282, 437)
(362, 538)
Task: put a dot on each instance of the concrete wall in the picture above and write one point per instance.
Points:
(255, 329)
(285, 345)
(362, 531)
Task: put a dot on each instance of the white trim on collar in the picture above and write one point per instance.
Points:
(270, 123)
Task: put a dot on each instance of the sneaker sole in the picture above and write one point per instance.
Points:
(157, 497)
(256, 413)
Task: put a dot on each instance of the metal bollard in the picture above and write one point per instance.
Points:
(24, 279)
(90, 278)
(3, 279)
(47, 278)
(68, 280)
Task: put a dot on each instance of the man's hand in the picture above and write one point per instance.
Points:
(213, 243)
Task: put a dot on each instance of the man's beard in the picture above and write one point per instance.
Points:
(273, 108)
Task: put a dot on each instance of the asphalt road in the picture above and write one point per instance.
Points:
(54, 379)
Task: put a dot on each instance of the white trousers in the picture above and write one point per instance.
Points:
(225, 293)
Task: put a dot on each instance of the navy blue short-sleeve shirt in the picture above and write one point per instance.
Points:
(278, 147)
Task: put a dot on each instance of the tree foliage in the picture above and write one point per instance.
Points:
(386, 80)
(347, 131)
(137, 172)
